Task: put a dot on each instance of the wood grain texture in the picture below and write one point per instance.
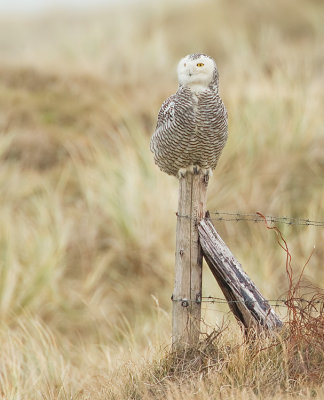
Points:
(186, 296)
(245, 300)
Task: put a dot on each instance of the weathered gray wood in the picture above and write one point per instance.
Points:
(186, 296)
(245, 301)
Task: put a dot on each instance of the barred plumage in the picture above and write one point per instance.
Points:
(191, 130)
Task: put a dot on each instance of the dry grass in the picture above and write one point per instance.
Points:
(87, 220)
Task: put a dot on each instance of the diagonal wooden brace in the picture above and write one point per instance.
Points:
(244, 299)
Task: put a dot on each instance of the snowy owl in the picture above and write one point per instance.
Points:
(191, 130)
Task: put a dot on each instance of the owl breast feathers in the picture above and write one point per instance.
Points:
(191, 130)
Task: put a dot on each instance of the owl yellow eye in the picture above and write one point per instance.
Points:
(200, 64)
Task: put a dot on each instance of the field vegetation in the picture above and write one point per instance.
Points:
(87, 232)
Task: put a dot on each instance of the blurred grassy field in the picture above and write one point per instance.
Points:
(87, 231)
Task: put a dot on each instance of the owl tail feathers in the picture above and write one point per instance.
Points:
(194, 169)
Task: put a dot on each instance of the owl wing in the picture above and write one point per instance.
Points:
(165, 119)
(166, 113)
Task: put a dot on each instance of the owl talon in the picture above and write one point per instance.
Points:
(207, 171)
(182, 173)
(195, 169)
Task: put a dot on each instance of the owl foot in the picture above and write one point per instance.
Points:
(194, 170)
(207, 171)
(207, 174)
(182, 173)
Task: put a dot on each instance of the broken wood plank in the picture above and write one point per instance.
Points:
(244, 299)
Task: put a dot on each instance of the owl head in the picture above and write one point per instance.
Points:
(198, 72)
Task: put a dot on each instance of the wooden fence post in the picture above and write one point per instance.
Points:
(186, 296)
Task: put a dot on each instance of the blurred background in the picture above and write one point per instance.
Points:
(87, 233)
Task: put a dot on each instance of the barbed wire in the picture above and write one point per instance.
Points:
(254, 217)
(272, 302)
